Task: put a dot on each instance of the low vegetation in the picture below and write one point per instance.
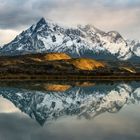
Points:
(62, 66)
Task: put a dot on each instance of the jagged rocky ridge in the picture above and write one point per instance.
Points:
(87, 102)
(81, 41)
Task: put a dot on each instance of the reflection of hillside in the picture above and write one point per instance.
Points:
(84, 84)
(86, 102)
(56, 87)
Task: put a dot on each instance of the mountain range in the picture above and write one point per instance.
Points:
(80, 41)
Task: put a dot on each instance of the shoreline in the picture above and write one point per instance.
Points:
(69, 78)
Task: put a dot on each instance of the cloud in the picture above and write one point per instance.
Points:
(105, 14)
(6, 106)
(18, 13)
(14, 126)
(15, 14)
(122, 3)
(7, 35)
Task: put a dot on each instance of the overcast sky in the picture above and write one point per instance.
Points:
(120, 15)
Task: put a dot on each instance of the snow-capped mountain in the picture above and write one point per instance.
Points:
(84, 41)
(77, 101)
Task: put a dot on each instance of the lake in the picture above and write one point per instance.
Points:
(81, 111)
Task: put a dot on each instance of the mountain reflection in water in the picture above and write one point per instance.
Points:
(51, 102)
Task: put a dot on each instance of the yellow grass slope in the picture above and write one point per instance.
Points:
(87, 64)
(129, 69)
(57, 56)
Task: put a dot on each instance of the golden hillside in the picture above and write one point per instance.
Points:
(56, 56)
(129, 69)
(87, 64)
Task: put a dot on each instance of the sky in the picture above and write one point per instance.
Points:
(119, 15)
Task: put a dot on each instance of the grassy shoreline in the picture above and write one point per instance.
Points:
(69, 78)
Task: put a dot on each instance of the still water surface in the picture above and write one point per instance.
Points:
(93, 112)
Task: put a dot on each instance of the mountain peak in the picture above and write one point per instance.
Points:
(42, 21)
(90, 28)
(81, 41)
